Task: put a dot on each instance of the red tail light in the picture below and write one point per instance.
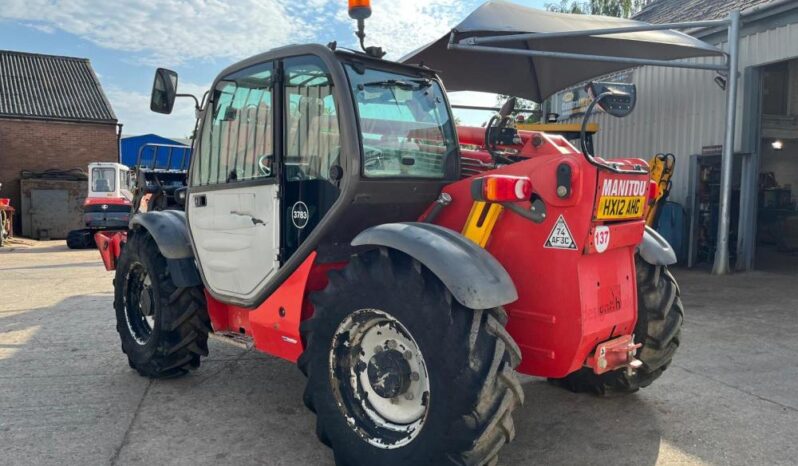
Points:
(501, 188)
(653, 191)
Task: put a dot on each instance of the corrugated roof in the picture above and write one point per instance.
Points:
(51, 87)
(669, 11)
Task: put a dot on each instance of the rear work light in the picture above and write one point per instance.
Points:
(501, 188)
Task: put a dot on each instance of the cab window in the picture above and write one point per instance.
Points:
(406, 128)
(312, 147)
(312, 135)
(237, 140)
(103, 180)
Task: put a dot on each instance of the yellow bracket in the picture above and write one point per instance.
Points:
(480, 222)
(661, 171)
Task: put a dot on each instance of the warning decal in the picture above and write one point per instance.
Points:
(560, 236)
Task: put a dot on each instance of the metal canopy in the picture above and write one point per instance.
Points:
(535, 53)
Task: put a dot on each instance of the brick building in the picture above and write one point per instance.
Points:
(53, 115)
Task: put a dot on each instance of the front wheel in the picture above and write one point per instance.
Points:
(400, 373)
(163, 328)
(659, 323)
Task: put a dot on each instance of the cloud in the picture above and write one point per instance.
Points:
(171, 31)
(479, 99)
(179, 32)
(45, 28)
(400, 27)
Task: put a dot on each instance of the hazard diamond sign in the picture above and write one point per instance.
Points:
(560, 236)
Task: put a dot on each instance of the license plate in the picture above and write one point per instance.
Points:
(620, 207)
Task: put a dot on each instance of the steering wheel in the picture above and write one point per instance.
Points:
(373, 158)
(265, 165)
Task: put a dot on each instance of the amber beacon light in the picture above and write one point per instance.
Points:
(359, 9)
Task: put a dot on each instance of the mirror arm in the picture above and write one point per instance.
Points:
(583, 144)
(196, 101)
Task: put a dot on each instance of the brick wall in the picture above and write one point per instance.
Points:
(41, 145)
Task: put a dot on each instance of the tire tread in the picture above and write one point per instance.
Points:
(184, 324)
(484, 429)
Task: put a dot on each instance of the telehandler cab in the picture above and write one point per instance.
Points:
(333, 220)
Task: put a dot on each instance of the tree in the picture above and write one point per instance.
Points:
(617, 8)
(578, 8)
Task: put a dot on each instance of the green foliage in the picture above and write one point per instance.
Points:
(617, 8)
(565, 6)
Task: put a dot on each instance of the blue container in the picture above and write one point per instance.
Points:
(130, 146)
(672, 225)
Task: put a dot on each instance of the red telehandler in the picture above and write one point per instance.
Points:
(333, 220)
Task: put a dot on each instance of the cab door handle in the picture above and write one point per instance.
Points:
(200, 200)
(255, 221)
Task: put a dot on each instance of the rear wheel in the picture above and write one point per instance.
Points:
(163, 328)
(400, 373)
(658, 329)
(80, 239)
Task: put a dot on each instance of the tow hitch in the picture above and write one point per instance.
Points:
(615, 354)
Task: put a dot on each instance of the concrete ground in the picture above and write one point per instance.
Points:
(67, 395)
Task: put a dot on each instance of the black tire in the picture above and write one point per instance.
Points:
(658, 329)
(469, 359)
(173, 341)
(80, 239)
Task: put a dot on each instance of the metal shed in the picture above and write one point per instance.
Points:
(149, 145)
(682, 111)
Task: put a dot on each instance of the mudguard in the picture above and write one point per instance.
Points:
(655, 249)
(169, 229)
(474, 277)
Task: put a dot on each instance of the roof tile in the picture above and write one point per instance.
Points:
(51, 87)
(669, 11)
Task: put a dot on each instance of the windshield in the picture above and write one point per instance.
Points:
(103, 180)
(405, 125)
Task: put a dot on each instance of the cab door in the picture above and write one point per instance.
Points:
(311, 148)
(233, 205)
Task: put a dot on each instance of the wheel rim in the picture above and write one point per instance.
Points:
(379, 378)
(139, 304)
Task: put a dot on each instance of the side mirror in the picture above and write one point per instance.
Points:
(621, 99)
(164, 91)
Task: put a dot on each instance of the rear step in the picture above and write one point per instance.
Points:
(233, 338)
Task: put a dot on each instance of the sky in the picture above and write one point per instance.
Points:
(127, 39)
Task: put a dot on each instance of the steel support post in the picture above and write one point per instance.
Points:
(721, 265)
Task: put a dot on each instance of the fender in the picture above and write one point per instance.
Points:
(169, 229)
(655, 249)
(475, 278)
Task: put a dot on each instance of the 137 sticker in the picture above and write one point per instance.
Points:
(601, 238)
